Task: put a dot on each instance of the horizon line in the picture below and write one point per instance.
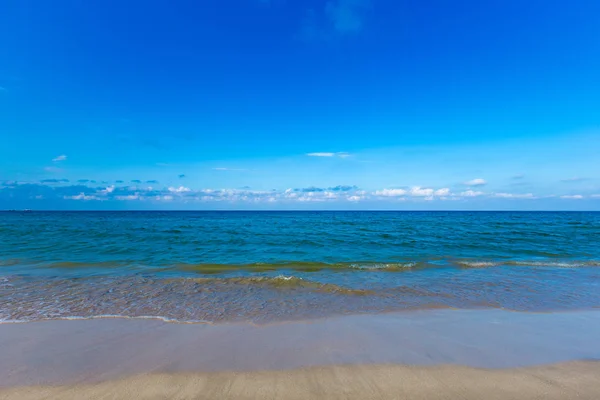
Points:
(290, 210)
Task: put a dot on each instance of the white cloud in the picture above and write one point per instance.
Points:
(418, 191)
(334, 194)
(514, 195)
(180, 189)
(341, 154)
(476, 182)
(415, 191)
(390, 192)
(573, 179)
(320, 154)
(310, 199)
(128, 197)
(81, 196)
(471, 193)
(62, 157)
(108, 190)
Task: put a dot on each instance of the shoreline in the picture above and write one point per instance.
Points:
(66, 352)
(573, 380)
(238, 322)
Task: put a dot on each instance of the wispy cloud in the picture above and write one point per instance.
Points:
(476, 182)
(471, 193)
(572, 197)
(54, 181)
(517, 177)
(53, 169)
(136, 181)
(339, 188)
(338, 18)
(415, 191)
(520, 184)
(128, 197)
(346, 16)
(514, 195)
(343, 188)
(152, 181)
(62, 157)
(180, 189)
(341, 154)
(81, 196)
(573, 179)
(3, 89)
(229, 169)
(320, 154)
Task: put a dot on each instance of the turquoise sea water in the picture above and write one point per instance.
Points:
(262, 266)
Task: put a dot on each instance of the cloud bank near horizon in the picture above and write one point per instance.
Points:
(52, 192)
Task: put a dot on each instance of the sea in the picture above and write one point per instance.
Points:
(263, 267)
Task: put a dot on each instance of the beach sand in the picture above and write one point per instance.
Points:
(435, 354)
(564, 381)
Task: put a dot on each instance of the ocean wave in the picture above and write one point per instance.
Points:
(477, 264)
(527, 263)
(383, 266)
(556, 264)
(9, 262)
(279, 282)
(216, 268)
(298, 266)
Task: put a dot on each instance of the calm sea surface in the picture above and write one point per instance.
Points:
(264, 266)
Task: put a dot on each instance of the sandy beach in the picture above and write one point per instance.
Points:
(436, 354)
(564, 381)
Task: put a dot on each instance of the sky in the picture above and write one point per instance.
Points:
(305, 104)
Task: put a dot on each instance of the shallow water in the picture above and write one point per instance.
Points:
(264, 266)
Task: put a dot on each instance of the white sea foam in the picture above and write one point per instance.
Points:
(479, 264)
(105, 316)
(558, 264)
(383, 266)
(287, 278)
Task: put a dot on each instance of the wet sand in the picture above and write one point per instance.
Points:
(439, 354)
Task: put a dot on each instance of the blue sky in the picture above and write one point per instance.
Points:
(281, 104)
